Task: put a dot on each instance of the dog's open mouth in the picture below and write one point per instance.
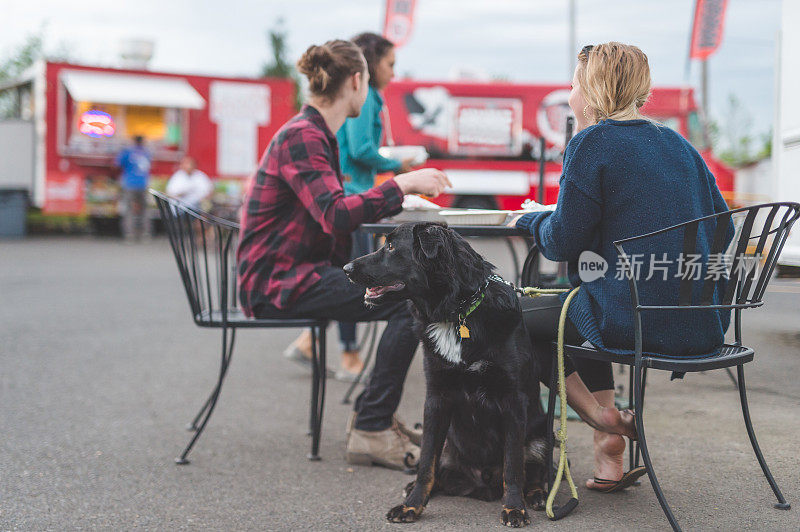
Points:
(376, 292)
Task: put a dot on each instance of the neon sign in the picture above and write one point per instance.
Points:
(96, 124)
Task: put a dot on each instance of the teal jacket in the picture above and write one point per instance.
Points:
(359, 139)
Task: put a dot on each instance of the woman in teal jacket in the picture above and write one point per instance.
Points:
(359, 139)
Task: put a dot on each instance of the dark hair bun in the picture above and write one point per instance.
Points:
(328, 65)
(313, 64)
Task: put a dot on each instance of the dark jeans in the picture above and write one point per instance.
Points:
(347, 329)
(541, 320)
(334, 297)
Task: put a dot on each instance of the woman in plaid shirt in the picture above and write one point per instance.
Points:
(296, 227)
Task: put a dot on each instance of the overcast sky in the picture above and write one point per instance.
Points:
(524, 40)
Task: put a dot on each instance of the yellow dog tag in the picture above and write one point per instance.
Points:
(463, 331)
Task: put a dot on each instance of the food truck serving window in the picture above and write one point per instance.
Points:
(101, 113)
(104, 128)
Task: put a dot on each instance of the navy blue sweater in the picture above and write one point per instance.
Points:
(623, 179)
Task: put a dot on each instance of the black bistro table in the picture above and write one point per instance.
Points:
(386, 226)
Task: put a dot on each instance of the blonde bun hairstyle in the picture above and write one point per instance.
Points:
(327, 66)
(614, 79)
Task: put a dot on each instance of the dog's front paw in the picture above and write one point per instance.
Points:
(535, 499)
(515, 517)
(403, 514)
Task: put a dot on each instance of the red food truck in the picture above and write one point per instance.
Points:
(65, 123)
(486, 135)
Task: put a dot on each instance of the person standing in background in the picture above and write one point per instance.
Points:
(134, 161)
(359, 140)
(189, 184)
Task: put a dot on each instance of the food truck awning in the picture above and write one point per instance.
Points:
(131, 89)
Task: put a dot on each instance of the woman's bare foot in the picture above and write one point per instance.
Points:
(612, 421)
(351, 362)
(609, 452)
(597, 408)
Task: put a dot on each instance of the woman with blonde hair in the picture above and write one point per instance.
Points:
(623, 175)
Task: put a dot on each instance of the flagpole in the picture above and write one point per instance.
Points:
(706, 108)
(572, 52)
(688, 67)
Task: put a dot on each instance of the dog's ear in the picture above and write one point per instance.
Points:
(431, 239)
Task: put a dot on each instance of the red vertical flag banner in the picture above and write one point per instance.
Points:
(709, 18)
(399, 20)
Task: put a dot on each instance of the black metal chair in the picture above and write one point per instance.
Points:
(205, 251)
(760, 240)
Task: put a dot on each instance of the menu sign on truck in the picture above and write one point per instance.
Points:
(486, 126)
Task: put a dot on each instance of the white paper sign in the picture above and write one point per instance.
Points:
(238, 109)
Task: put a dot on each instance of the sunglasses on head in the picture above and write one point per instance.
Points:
(586, 49)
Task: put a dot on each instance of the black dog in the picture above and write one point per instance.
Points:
(484, 427)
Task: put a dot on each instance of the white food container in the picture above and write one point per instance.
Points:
(418, 154)
(475, 217)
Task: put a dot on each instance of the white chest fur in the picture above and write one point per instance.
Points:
(446, 342)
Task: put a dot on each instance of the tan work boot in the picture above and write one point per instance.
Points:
(414, 434)
(389, 448)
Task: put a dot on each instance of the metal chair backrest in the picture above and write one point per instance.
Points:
(744, 263)
(740, 269)
(205, 251)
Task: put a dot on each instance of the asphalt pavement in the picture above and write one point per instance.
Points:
(101, 367)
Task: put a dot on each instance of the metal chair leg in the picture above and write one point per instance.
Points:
(192, 426)
(638, 453)
(318, 394)
(781, 504)
(314, 383)
(227, 352)
(632, 452)
(733, 379)
(662, 500)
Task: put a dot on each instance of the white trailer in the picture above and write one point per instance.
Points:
(786, 133)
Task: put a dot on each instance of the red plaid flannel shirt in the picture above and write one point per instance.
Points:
(296, 218)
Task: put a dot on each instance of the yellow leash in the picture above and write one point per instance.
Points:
(563, 464)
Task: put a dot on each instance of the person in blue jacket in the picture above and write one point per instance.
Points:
(623, 176)
(359, 139)
(134, 163)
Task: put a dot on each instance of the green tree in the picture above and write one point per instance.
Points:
(16, 62)
(279, 66)
(12, 65)
(733, 138)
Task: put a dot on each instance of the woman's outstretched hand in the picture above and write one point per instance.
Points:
(427, 181)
